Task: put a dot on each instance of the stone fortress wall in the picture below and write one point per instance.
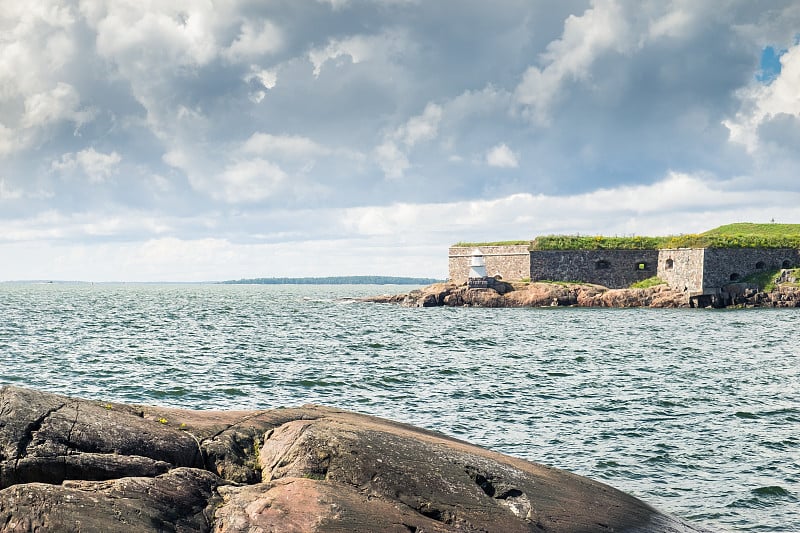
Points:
(682, 268)
(610, 268)
(722, 266)
(696, 271)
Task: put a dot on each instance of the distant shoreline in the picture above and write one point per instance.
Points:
(330, 280)
(335, 280)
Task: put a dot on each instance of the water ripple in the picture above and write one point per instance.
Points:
(694, 411)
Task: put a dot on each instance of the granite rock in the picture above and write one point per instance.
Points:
(81, 465)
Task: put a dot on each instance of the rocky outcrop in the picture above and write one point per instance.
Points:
(745, 295)
(560, 294)
(537, 294)
(79, 465)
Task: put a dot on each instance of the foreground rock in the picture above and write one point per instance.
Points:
(77, 465)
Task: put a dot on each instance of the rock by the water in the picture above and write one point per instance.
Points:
(561, 294)
(78, 465)
(537, 294)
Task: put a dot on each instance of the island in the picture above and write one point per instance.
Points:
(740, 265)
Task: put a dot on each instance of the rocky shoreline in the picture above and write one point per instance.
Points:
(78, 465)
(563, 294)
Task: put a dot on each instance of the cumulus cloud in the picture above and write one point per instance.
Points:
(294, 146)
(337, 120)
(8, 140)
(501, 156)
(420, 128)
(379, 48)
(392, 161)
(762, 103)
(357, 48)
(260, 80)
(249, 181)
(129, 32)
(96, 166)
(255, 40)
(679, 203)
(654, 209)
(600, 28)
(8, 192)
(37, 44)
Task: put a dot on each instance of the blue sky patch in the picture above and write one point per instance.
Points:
(770, 65)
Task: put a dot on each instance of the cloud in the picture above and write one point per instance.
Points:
(255, 40)
(357, 48)
(501, 156)
(260, 80)
(761, 103)
(291, 145)
(679, 203)
(392, 161)
(8, 192)
(601, 28)
(38, 43)
(251, 123)
(378, 50)
(672, 24)
(249, 181)
(97, 166)
(364, 240)
(336, 4)
(129, 32)
(9, 141)
(417, 129)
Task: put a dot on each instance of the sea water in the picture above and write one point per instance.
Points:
(695, 411)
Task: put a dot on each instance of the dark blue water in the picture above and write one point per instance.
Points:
(695, 411)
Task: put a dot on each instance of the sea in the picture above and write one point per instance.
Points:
(695, 411)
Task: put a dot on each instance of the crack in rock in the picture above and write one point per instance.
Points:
(30, 429)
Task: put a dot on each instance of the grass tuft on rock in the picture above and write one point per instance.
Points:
(647, 283)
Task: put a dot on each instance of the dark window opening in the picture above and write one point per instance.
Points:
(787, 264)
(734, 276)
(760, 265)
(641, 266)
(602, 265)
(669, 264)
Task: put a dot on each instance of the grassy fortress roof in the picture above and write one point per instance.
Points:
(739, 235)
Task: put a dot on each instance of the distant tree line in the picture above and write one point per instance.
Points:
(336, 280)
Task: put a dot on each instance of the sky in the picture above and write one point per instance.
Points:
(202, 140)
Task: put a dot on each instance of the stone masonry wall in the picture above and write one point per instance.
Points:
(610, 268)
(682, 268)
(694, 270)
(724, 265)
(511, 262)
